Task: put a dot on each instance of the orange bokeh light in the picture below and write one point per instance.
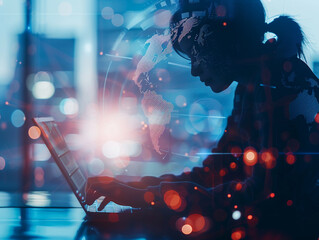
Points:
(233, 165)
(250, 217)
(250, 156)
(196, 221)
(187, 229)
(222, 172)
(238, 187)
(268, 159)
(237, 235)
(229, 195)
(34, 132)
(172, 199)
(290, 159)
(272, 195)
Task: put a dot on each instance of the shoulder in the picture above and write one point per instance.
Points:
(290, 85)
(298, 80)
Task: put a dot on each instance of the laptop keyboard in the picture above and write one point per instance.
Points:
(110, 208)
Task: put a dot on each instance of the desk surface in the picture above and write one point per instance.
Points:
(58, 215)
(44, 217)
(69, 223)
(48, 223)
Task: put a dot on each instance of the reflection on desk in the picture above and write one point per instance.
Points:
(69, 223)
(38, 199)
(31, 223)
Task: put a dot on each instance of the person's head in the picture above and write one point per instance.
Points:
(223, 37)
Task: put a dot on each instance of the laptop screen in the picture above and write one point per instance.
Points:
(62, 155)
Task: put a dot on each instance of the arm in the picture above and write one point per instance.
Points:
(209, 174)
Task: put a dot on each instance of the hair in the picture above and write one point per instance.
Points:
(246, 26)
(289, 33)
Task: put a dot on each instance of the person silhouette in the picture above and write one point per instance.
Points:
(265, 167)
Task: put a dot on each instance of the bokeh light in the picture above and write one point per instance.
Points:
(173, 200)
(250, 156)
(43, 90)
(233, 165)
(69, 106)
(268, 159)
(187, 229)
(236, 215)
(290, 159)
(130, 148)
(196, 221)
(181, 101)
(41, 152)
(107, 13)
(238, 186)
(205, 116)
(117, 20)
(289, 203)
(17, 118)
(2, 163)
(41, 85)
(111, 149)
(34, 132)
(238, 234)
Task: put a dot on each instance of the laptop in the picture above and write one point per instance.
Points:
(71, 170)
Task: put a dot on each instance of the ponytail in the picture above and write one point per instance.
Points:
(290, 36)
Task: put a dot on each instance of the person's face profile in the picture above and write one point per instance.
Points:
(207, 61)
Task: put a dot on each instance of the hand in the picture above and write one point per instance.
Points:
(115, 191)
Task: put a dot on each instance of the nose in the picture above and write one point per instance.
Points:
(196, 69)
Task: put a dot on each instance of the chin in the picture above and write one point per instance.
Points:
(218, 88)
(218, 84)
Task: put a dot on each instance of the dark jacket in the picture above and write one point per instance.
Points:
(275, 116)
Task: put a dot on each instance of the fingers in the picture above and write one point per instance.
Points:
(94, 190)
(92, 195)
(103, 204)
